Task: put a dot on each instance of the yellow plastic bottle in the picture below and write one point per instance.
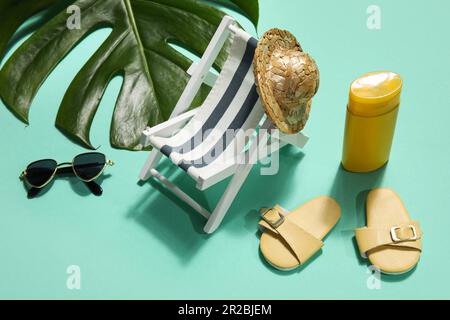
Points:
(371, 118)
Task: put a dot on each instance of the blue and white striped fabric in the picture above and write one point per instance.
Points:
(213, 138)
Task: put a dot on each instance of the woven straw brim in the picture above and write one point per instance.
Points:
(272, 40)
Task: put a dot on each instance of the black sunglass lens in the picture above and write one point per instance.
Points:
(40, 172)
(89, 165)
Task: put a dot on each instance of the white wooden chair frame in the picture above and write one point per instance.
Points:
(200, 73)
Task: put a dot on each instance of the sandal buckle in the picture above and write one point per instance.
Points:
(273, 224)
(396, 238)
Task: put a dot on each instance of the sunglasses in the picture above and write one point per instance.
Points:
(86, 167)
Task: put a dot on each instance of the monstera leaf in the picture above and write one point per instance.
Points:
(138, 48)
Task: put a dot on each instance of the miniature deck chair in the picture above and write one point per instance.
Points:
(188, 138)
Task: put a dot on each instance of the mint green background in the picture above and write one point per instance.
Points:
(134, 242)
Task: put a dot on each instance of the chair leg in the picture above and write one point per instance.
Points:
(152, 161)
(227, 199)
(238, 180)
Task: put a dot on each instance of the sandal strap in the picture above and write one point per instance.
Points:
(406, 235)
(300, 242)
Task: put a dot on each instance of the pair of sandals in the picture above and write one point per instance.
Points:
(391, 241)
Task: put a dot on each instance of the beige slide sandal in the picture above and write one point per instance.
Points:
(289, 239)
(391, 241)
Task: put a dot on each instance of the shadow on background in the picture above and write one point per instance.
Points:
(263, 191)
(180, 228)
(350, 190)
(174, 223)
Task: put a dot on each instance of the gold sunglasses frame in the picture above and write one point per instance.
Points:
(23, 176)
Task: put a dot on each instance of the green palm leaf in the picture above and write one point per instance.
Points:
(154, 73)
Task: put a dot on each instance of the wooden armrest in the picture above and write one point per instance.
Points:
(167, 128)
(299, 140)
(210, 77)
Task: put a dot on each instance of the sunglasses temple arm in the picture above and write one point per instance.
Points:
(33, 192)
(94, 188)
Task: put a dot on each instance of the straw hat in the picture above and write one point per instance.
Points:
(287, 79)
